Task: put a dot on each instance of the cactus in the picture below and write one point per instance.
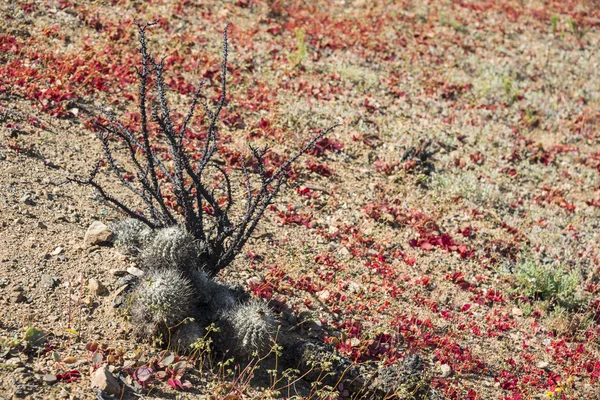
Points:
(318, 361)
(163, 299)
(186, 335)
(247, 328)
(212, 294)
(171, 247)
(407, 379)
(131, 235)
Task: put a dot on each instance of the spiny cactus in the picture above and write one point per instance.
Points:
(171, 247)
(163, 299)
(211, 293)
(131, 235)
(247, 328)
(318, 361)
(407, 379)
(185, 335)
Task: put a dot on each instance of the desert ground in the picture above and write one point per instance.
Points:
(453, 214)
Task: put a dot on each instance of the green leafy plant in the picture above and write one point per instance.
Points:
(457, 26)
(510, 91)
(296, 57)
(34, 336)
(554, 19)
(556, 286)
(576, 29)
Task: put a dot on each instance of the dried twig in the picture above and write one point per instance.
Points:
(182, 176)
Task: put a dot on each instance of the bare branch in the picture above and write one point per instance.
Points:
(157, 173)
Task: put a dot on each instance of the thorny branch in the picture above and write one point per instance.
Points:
(154, 177)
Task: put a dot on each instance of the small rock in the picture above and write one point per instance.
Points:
(86, 301)
(125, 280)
(354, 287)
(57, 251)
(18, 221)
(96, 287)
(97, 233)
(135, 271)
(18, 297)
(118, 301)
(50, 379)
(542, 365)
(70, 360)
(16, 361)
(105, 381)
(343, 251)
(323, 295)
(27, 198)
(517, 312)
(48, 281)
(118, 272)
(445, 370)
(42, 225)
(60, 218)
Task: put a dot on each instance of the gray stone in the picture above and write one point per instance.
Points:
(27, 198)
(48, 281)
(118, 272)
(97, 233)
(543, 365)
(105, 381)
(344, 252)
(135, 271)
(50, 379)
(125, 280)
(118, 301)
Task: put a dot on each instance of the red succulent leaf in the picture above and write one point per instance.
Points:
(70, 376)
(143, 373)
(176, 384)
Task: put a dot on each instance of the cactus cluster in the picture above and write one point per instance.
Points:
(186, 335)
(163, 298)
(170, 247)
(407, 379)
(248, 328)
(177, 299)
(131, 236)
